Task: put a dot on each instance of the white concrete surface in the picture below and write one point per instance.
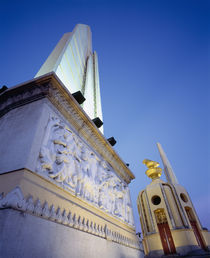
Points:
(23, 236)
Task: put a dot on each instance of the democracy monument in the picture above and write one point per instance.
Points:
(169, 222)
(64, 191)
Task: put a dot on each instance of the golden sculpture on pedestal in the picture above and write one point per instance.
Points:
(153, 170)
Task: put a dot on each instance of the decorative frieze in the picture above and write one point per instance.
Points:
(67, 160)
(16, 200)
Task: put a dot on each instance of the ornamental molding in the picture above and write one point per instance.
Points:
(13, 199)
(50, 87)
(16, 201)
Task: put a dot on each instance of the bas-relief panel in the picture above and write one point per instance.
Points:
(66, 159)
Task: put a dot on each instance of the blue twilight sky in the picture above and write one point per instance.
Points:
(153, 66)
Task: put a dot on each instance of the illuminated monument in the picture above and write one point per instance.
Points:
(168, 219)
(76, 66)
(63, 189)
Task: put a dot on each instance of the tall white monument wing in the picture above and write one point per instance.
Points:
(169, 173)
(77, 67)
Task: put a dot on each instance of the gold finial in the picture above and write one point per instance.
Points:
(153, 170)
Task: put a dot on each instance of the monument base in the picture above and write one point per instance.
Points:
(24, 235)
(63, 189)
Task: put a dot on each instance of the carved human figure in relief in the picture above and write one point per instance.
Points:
(90, 170)
(114, 195)
(102, 182)
(111, 191)
(83, 171)
(64, 167)
(46, 155)
(74, 156)
(119, 198)
(94, 167)
(58, 153)
(110, 195)
(128, 208)
(106, 194)
(45, 158)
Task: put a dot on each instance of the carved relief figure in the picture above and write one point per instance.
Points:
(102, 182)
(90, 170)
(128, 208)
(65, 165)
(119, 198)
(83, 169)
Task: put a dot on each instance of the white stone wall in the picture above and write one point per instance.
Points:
(23, 236)
(20, 137)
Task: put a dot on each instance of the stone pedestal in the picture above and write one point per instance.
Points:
(64, 190)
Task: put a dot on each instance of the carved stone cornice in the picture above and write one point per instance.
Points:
(15, 200)
(50, 87)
